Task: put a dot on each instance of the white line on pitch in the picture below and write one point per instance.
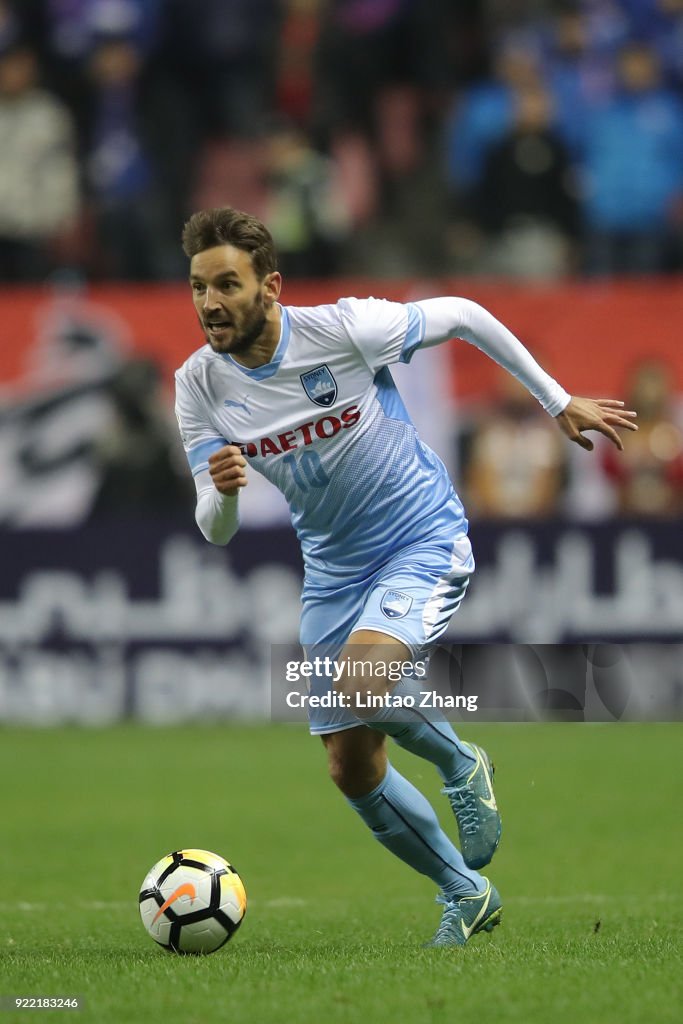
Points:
(24, 906)
(292, 902)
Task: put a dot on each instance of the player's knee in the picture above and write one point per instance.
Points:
(339, 769)
(354, 779)
(349, 773)
(356, 769)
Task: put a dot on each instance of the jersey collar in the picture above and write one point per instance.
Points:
(271, 368)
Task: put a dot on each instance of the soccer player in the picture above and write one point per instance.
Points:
(305, 396)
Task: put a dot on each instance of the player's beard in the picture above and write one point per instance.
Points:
(247, 328)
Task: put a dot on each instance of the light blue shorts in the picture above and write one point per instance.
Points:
(411, 598)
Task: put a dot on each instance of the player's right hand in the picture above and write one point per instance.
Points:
(227, 467)
(601, 414)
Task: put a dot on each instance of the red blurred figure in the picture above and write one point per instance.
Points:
(648, 474)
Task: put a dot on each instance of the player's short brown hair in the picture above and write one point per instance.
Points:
(225, 226)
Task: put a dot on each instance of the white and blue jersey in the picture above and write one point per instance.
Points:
(323, 421)
(383, 533)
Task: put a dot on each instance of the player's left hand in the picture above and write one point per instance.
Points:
(601, 414)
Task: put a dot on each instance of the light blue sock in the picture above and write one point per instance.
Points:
(403, 820)
(424, 733)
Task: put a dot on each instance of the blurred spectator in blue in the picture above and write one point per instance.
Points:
(70, 27)
(526, 199)
(481, 116)
(130, 216)
(608, 24)
(484, 111)
(578, 71)
(633, 171)
(67, 31)
(648, 474)
(39, 183)
(660, 22)
(305, 208)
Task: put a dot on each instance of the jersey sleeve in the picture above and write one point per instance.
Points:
(451, 317)
(200, 439)
(383, 332)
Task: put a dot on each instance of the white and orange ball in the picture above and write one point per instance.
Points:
(192, 901)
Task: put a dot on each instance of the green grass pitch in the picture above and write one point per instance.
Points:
(589, 869)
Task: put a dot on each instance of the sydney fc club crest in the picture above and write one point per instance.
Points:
(320, 385)
(395, 604)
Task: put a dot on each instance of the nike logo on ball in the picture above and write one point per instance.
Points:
(187, 889)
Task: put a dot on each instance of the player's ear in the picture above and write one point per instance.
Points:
(272, 283)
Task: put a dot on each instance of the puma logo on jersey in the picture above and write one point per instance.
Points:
(299, 437)
(230, 404)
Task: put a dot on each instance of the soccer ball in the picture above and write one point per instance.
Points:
(192, 901)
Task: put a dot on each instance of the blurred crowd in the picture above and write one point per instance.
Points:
(515, 464)
(390, 137)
